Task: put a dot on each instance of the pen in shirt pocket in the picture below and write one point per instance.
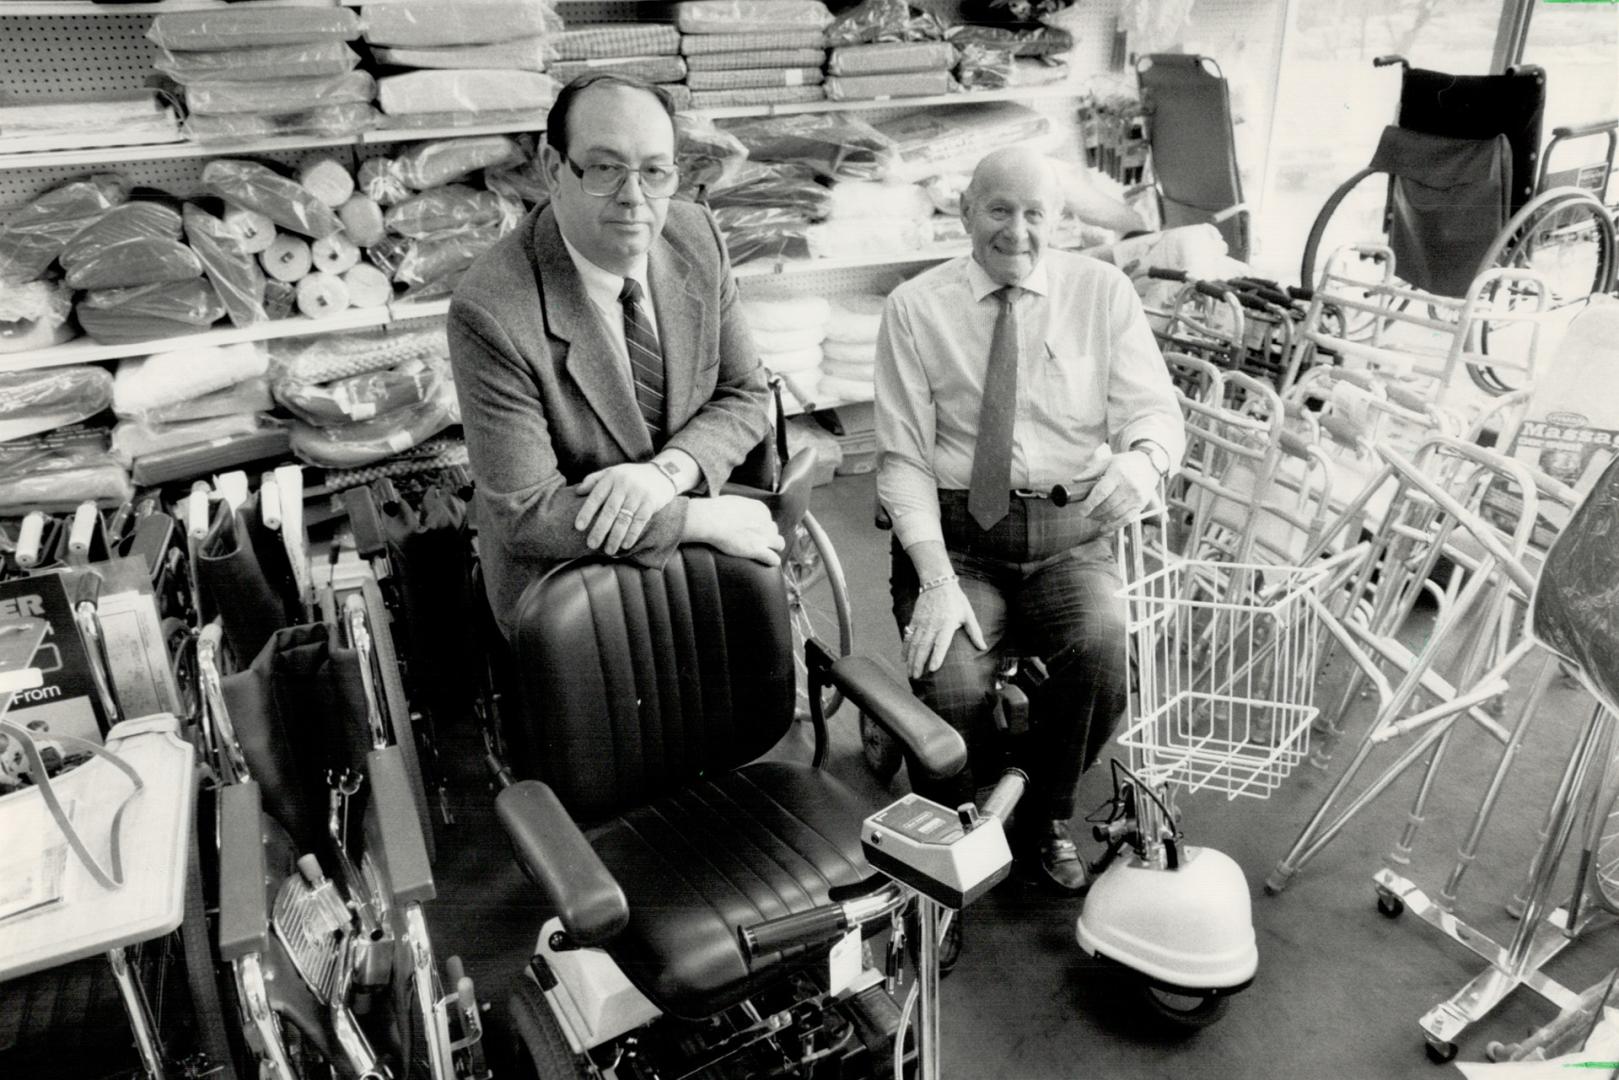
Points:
(1051, 354)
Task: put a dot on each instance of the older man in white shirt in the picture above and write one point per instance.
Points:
(999, 375)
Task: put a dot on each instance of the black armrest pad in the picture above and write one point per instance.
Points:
(562, 863)
(404, 848)
(934, 746)
(244, 912)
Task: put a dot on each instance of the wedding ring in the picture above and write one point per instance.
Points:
(627, 514)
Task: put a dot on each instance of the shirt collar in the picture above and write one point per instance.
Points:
(603, 286)
(982, 284)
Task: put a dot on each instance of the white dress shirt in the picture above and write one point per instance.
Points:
(603, 287)
(1089, 373)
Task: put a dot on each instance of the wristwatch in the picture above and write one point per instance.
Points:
(669, 468)
(1155, 454)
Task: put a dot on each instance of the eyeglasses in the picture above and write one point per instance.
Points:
(605, 178)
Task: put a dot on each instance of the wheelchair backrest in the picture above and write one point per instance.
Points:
(1576, 603)
(1481, 107)
(636, 682)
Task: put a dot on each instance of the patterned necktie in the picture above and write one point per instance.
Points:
(990, 495)
(646, 358)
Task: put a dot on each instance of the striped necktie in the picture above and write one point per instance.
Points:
(646, 358)
(990, 494)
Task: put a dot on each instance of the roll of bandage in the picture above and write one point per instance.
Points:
(287, 258)
(368, 286)
(362, 220)
(327, 180)
(322, 294)
(334, 254)
(255, 231)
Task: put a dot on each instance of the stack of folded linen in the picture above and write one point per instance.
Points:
(849, 352)
(788, 334)
(251, 71)
(475, 61)
(869, 217)
(883, 49)
(753, 52)
(648, 51)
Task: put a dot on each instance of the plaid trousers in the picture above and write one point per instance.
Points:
(1038, 582)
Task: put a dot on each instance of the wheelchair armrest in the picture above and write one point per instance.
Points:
(933, 745)
(244, 911)
(404, 848)
(558, 858)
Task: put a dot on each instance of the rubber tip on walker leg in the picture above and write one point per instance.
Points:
(1278, 879)
(1400, 854)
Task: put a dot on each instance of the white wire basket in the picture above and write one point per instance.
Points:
(1225, 657)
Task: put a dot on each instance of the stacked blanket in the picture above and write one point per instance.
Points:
(788, 334)
(849, 352)
(753, 52)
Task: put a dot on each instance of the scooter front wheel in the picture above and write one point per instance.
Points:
(1183, 1010)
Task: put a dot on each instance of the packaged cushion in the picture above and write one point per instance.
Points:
(855, 319)
(36, 401)
(1019, 41)
(360, 397)
(766, 95)
(702, 44)
(532, 119)
(434, 263)
(303, 60)
(429, 164)
(252, 26)
(933, 141)
(799, 313)
(116, 118)
(246, 397)
(279, 95)
(148, 312)
(349, 446)
(806, 359)
(231, 268)
(869, 199)
(788, 341)
(255, 187)
(891, 56)
(834, 145)
(454, 206)
(754, 78)
(873, 87)
(34, 316)
(131, 263)
(756, 58)
(521, 54)
(653, 69)
(883, 20)
(147, 383)
(329, 121)
(596, 42)
(329, 357)
(134, 439)
(34, 237)
(456, 22)
(849, 352)
(472, 90)
(750, 16)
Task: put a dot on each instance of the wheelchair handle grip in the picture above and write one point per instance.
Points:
(1161, 273)
(802, 929)
(1215, 289)
(1008, 790)
(1406, 399)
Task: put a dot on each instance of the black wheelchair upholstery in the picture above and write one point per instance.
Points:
(645, 695)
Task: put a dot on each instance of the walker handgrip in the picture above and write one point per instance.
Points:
(1005, 797)
(1160, 273)
(1406, 399)
(805, 928)
(1218, 290)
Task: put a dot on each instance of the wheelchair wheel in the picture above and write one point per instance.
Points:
(1354, 213)
(1566, 236)
(542, 1051)
(1601, 854)
(818, 603)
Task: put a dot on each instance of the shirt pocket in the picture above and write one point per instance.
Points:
(1068, 388)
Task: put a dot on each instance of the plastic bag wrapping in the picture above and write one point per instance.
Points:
(755, 78)
(1013, 12)
(866, 237)
(855, 318)
(280, 95)
(883, 20)
(652, 69)
(349, 446)
(1022, 41)
(905, 84)
(755, 97)
(135, 262)
(135, 439)
(148, 312)
(147, 383)
(853, 199)
(708, 156)
(791, 187)
(532, 119)
(756, 58)
(750, 16)
(252, 26)
(300, 61)
(470, 90)
(836, 145)
(519, 54)
(433, 264)
(327, 122)
(454, 206)
(131, 221)
(234, 273)
(118, 117)
(788, 314)
(955, 138)
(247, 396)
(60, 477)
(329, 357)
(602, 40)
(359, 397)
(789, 363)
(255, 187)
(788, 341)
(36, 401)
(31, 241)
(34, 316)
(772, 241)
(985, 67)
(456, 22)
(429, 164)
(890, 57)
(524, 182)
(848, 355)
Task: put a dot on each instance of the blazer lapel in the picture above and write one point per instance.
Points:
(682, 315)
(592, 361)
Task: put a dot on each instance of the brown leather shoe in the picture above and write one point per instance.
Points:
(1060, 862)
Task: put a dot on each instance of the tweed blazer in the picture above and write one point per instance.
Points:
(546, 399)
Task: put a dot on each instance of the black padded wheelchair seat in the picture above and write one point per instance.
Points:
(772, 838)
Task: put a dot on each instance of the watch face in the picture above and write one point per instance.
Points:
(669, 468)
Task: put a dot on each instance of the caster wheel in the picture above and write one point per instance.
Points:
(1183, 1011)
(1440, 1053)
(1390, 906)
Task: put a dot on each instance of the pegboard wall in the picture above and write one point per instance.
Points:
(73, 57)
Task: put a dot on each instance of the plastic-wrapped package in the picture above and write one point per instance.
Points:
(359, 397)
(134, 439)
(230, 267)
(772, 185)
(883, 20)
(891, 57)
(754, 78)
(533, 119)
(31, 241)
(706, 154)
(757, 217)
(867, 199)
(133, 263)
(112, 118)
(755, 97)
(34, 315)
(750, 16)
(835, 145)
(472, 90)
(1038, 71)
(756, 58)
(1022, 41)
(252, 26)
(58, 479)
(953, 139)
(456, 22)
(434, 262)
(652, 69)
(805, 359)
(328, 357)
(855, 318)
(873, 87)
(705, 44)
(767, 242)
(984, 67)
(453, 206)
(351, 445)
(848, 354)
(299, 61)
(255, 187)
(36, 401)
(148, 312)
(280, 95)
(520, 54)
(864, 237)
(796, 313)
(328, 122)
(139, 220)
(146, 383)
(247, 396)
(788, 341)
(429, 164)
(524, 182)
(600, 41)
